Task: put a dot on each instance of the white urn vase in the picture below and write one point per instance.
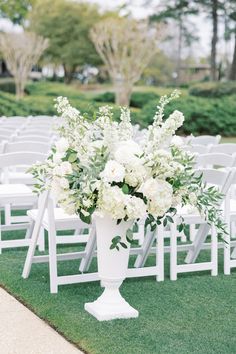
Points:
(112, 270)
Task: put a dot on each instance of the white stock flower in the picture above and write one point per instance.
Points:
(177, 141)
(113, 172)
(66, 168)
(62, 145)
(57, 157)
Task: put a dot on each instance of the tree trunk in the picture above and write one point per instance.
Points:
(179, 53)
(123, 92)
(68, 74)
(214, 39)
(232, 75)
(19, 89)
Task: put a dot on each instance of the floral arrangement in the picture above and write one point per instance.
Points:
(97, 166)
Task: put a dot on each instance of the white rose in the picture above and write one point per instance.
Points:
(62, 145)
(66, 168)
(113, 172)
(57, 157)
(64, 183)
(127, 152)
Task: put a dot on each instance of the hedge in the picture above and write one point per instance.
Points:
(213, 89)
(202, 116)
(137, 100)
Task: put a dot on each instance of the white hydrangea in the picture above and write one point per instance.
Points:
(127, 152)
(113, 172)
(136, 208)
(112, 201)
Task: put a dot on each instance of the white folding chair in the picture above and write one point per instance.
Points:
(52, 220)
(12, 160)
(229, 149)
(30, 146)
(221, 180)
(35, 138)
(204, 139)
(212, 160)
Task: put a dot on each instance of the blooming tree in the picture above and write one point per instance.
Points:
(21, 51)
(126, 47)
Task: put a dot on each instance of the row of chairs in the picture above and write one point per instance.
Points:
(52, 219)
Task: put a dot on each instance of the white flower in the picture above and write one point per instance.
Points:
(159, 194)
(66, 168)
(113, 172)
(64, 183)
(177, 141)
(57, 157)
(136, 175)
(62, 145)
(112, 201)
(127, 152)
(136, 208)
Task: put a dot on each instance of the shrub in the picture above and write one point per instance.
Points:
(7, 86)
(215, 116)
(108, 97)
(138, 99)
(213, 89)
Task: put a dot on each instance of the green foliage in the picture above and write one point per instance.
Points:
(138, 99)
(202, 116)
(7, 86)
(213, 89)
(15, 10)
(67, 25)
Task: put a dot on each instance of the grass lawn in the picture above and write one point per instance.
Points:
(195, 314)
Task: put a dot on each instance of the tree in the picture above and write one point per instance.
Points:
(230, 11)
(213, 8)
(15, 10)
(126, 47)
(21, 51)
(67, 26)
(179, 11)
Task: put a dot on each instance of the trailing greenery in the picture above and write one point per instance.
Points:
(202, 116)
(213, 89)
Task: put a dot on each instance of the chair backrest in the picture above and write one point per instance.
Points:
(4, 138)
(214, 160)
(26, 147)
(205, 139)
(197, 149)
(40, 132)
(20, 159)
(215, 177)
(32, 138)
(223, 148)
(6, 132)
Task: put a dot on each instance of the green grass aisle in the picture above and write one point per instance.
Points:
(195, 314)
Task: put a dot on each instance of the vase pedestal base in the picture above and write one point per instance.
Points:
(109, 306)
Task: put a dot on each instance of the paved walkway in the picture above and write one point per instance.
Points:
(22, 332)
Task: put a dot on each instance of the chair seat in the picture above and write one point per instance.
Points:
(11, 193)
(63, 221)
(20, 177)
(190, 215)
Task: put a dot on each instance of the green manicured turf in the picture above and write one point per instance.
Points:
(195, 314)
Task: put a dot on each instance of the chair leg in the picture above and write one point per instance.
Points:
(7, 211)
(34, 238)
(31, 251)
(147, 244)
(173, 251)
(227, 251)
(200, 237)
(214, 251)
(41, 240)
(52, 249)
(160, 253)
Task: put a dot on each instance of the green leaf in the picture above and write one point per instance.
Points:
(72, 157)
(123, 245)
(125, 189)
